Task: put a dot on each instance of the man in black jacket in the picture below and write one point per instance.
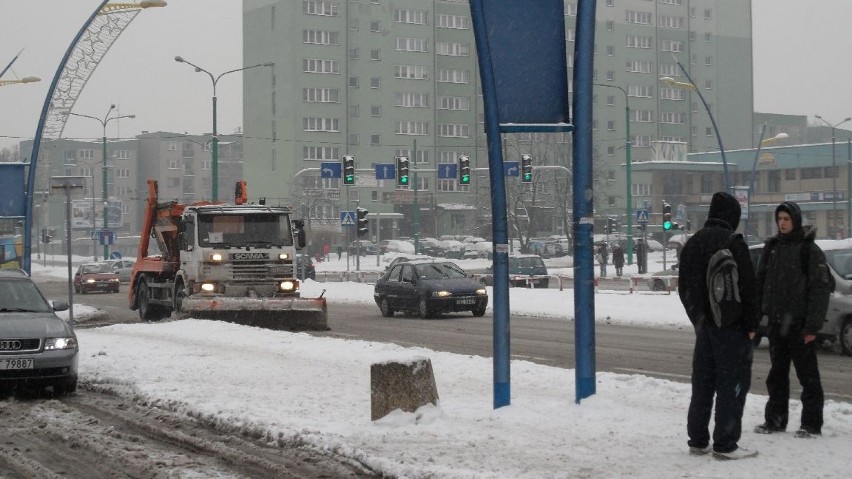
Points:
(721, 359)
(793, 287)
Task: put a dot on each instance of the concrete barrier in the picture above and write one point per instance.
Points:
(401, 385)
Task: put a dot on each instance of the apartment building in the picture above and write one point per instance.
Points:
(378, 79)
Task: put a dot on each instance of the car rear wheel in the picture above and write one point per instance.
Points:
(659, 285)
(846, 337)
(387, 311)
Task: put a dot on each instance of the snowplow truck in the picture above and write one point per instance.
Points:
(231, 262)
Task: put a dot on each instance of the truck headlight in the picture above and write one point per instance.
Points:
(217, 257)
(283, 256)
(208, 287)
(288, 286)
(53, 344)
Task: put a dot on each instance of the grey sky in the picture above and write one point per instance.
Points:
(800, 61)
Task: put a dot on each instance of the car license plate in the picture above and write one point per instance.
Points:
(466, 301)
(16, 363)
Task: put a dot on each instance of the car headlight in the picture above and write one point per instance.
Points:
(481, 292)
(53, 344)
(441, 294)
(90, 280)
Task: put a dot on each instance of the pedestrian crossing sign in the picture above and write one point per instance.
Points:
(347, 218)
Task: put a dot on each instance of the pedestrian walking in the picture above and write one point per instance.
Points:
(794, 286)
(618, 259)
(641, 256)
(722, 355)
(603, 259)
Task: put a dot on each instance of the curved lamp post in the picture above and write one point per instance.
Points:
(104, 122)
(833, 172)
(22, 80)
(629, 171)
(214, 150)
(691, 86)
(760, 143)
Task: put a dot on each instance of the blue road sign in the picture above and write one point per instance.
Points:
(385, 171)
(448, 170)
(330, 170)
(642, 216)
(511, 168)
(347, 218)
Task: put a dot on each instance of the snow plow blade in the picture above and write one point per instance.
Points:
(285, 314)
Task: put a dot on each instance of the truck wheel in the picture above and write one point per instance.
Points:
(180, 294)
(142, 298)
(846, 337)
(387, 311)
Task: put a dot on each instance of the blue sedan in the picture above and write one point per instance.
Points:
(428, 290)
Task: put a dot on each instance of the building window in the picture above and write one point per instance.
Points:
(320, 7)
(610, 125)
(353, 82)
(774, 183)
(375, 82)
(174, 164)
(636, 41)
(642, 116)
(610, 151)
(640, 91)
(415, 17)
(405, 44)
(641, 18)
(375, 26)
(375, 140)
(411, 72)
(670, 21)
(321, 95)
(811, 173)
(610, 100)
(375, 54)
(321, 124)
(320, 37)
(375, 111)
(313, 65)
(412, 128)
(411, 100)
(449, 130)
(790, 174)
(708, 131)
(610, 75)
(86, 154)
(610, 50)
(354, 111)
(354, 139)
(671, 46)
(453, 76)
(452, 49)
(610, 26)
(459, 22)
(454, 103)
(637, 66)
(708, 14)
(354, 54)
(708, 37)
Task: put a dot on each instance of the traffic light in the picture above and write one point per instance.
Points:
(667, 217)
(362, 222)
(464, 170)
(402, 170)
(610, 225)
(348, 170)
(45, 235)
(526, 169)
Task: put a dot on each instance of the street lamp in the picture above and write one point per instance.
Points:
(760, 143)
(214, 151)
(833, 173)
(104, 122)
(629, 168)
(22, 80)
(691, 86)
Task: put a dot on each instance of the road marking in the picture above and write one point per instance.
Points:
(530, 358)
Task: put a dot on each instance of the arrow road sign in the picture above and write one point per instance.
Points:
(385, 171)
(347, 218)
(329, 170)
(511, 168)
(447, 170)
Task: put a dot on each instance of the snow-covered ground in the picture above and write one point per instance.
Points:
(317, 390)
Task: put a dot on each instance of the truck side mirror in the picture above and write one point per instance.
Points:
(299, 233)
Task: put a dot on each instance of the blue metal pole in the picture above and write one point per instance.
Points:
(499, 228)
(584, 304)
(28, 221)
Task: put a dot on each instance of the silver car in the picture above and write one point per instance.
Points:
(37, 348)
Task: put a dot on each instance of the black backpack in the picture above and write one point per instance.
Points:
(723, 287)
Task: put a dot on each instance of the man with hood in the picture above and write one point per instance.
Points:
(722, 356)
(793, 289)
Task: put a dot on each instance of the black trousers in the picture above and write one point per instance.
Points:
(721, 367)
(784, 349)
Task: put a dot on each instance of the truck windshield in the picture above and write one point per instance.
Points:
(246, 229)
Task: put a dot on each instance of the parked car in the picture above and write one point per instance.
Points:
(305, 268)
(124, 268)
(838, 319)
(428, 289)
(95, 277)
(524, 269)
(405, 259)
(37, 348)
(367, 247)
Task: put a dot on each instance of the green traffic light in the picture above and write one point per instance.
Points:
(465, 179)
(528, 177)
(667, 225)
(403, 180)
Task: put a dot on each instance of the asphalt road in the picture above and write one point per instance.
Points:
(656, 352)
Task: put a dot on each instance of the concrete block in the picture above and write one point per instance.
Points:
(405, 385)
